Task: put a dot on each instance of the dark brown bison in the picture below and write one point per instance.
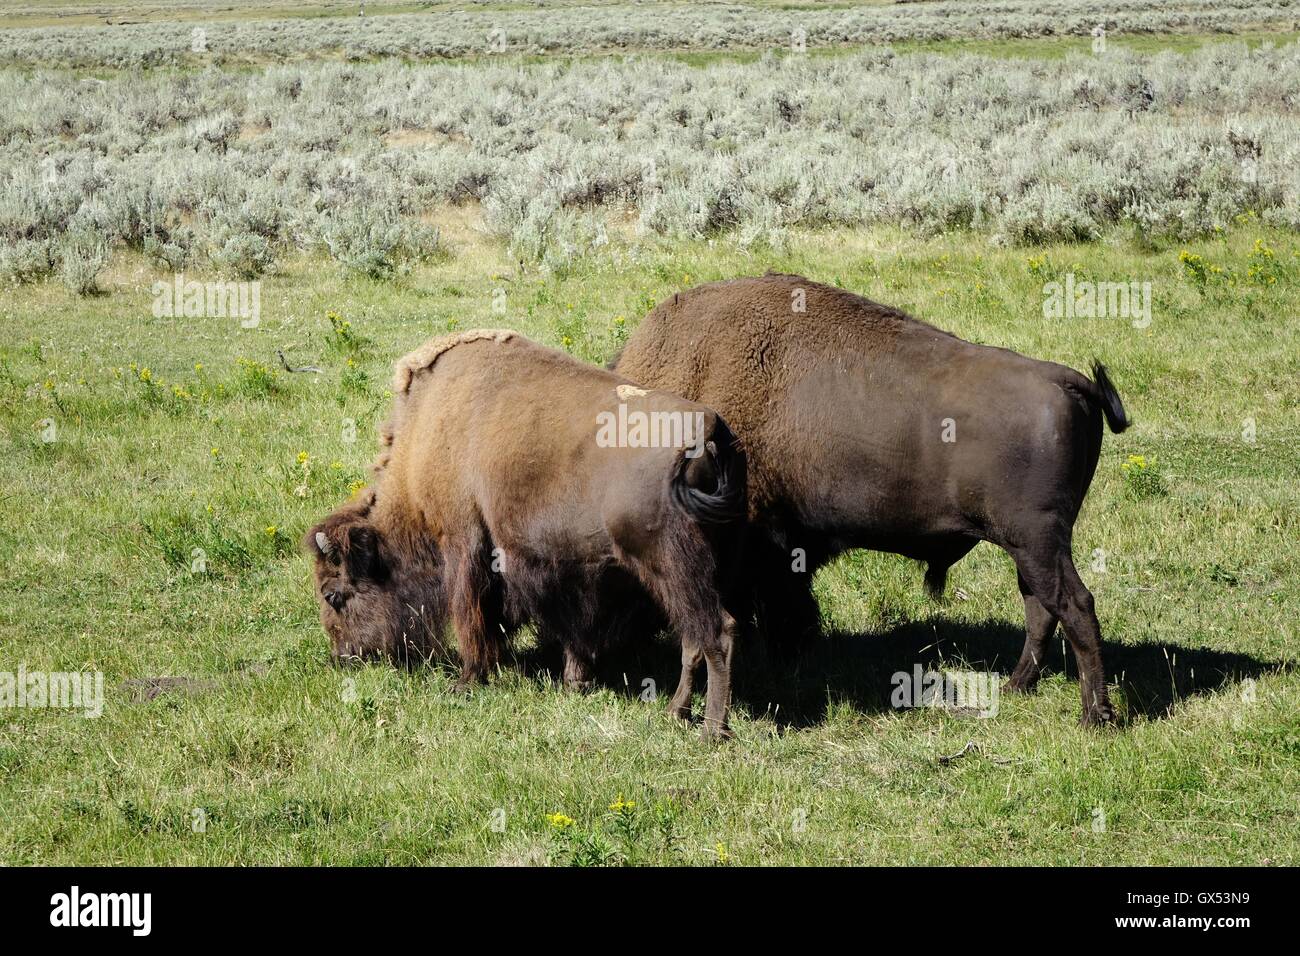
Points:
(521, 486)
(866, 428)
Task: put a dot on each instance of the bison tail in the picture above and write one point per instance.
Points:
(710, 487)
(1108, 399)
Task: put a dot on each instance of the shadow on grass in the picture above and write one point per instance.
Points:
(857, 669)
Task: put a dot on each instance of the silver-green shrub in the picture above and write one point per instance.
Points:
(83, 253)
(241, 166)
(587, 28)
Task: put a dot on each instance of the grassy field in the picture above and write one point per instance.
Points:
(170, 435)
(156, 473)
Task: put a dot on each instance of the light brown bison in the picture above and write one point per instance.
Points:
(521, 486)
(866, 428)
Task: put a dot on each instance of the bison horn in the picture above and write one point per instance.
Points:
(324, 543)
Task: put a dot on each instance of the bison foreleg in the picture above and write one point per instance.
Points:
(787, 614)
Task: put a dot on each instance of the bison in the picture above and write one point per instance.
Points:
(521, 486)
(866, 428)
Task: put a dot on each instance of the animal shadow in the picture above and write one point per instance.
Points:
(857, 669)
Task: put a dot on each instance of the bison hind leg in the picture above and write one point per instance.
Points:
(692, 658)
(718, 652)
(1050, 577)
(1040, 625)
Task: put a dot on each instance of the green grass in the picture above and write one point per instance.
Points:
(1019, 48)
(292, 761)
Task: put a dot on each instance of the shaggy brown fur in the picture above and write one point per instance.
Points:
(495, 505)
(866, 428)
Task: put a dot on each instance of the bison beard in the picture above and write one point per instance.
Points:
(495, 507)
(865, 428)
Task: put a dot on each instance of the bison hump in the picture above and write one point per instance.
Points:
(427, 354)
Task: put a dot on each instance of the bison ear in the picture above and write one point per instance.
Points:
(365, 552)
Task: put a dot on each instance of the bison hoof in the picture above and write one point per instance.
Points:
(1020, 685)
(714, 731)
(1102, 715)
(681, 709)
(462, 688)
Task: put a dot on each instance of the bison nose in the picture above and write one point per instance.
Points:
(345, 657)
(335, 600)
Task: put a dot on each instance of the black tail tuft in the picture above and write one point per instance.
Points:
(714, 491)
(1108, 398)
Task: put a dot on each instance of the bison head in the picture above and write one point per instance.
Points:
(374, 601)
